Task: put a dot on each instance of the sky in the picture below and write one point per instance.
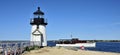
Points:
(83, 19)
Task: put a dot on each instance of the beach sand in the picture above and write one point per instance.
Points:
(64, 51)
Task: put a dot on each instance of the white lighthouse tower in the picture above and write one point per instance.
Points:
(38, 32)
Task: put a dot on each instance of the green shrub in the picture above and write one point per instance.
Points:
(31, 48)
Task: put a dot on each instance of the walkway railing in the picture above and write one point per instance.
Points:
(15, 48)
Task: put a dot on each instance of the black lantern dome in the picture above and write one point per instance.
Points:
(38, 18)
(38, 12)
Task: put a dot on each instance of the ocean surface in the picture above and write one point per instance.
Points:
(101, 46)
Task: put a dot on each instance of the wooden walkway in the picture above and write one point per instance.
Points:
(13, 48)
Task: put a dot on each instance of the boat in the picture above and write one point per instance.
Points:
(75, 42)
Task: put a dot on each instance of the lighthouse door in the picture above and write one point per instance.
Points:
(37, 37)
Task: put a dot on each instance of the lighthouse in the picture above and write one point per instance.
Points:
(38, 31)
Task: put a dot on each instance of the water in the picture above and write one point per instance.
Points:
(50, 43)
(107, 47)
(101, 46)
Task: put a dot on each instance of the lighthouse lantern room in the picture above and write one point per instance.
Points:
(38, 32)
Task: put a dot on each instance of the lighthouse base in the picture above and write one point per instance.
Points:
(38, 35)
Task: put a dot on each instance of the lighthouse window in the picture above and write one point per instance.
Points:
(36, 16)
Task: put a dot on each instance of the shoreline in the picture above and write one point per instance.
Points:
(66, 51)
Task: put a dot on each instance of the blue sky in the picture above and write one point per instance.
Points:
(84, 19)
